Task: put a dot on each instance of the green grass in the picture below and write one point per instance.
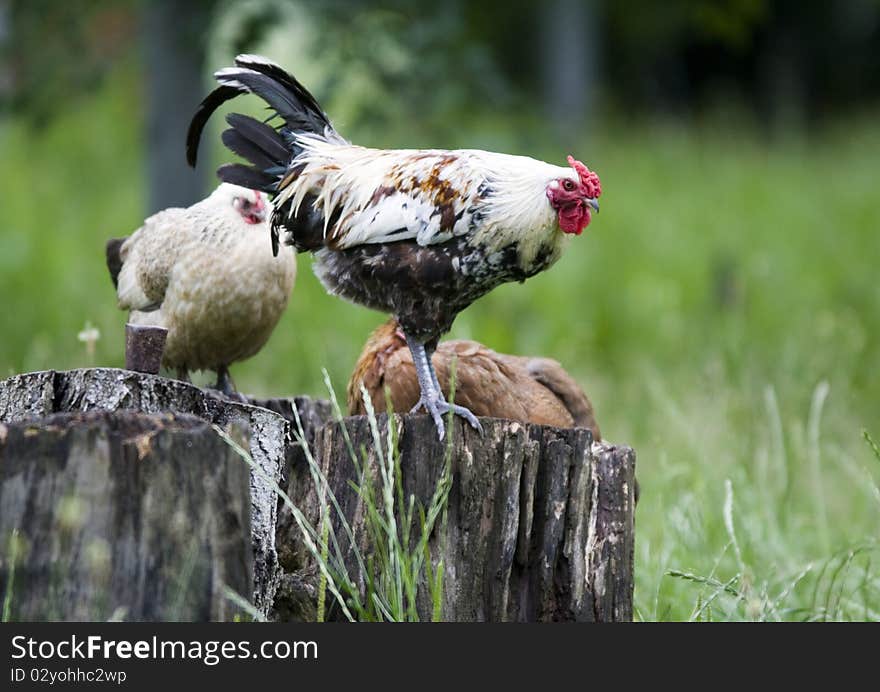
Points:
(723, 312)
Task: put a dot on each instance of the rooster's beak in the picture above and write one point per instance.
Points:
(591, 202)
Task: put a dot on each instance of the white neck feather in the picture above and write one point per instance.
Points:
(518, 210)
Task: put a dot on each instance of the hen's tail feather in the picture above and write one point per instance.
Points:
(552, 375)
(113, 252)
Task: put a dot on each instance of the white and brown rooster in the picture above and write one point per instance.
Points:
(419, 234)
(207, 275)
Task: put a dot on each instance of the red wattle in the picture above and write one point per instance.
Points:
(574, 218)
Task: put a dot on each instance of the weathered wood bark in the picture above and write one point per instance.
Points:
(122, 515)
(42, 393)
(539, 526)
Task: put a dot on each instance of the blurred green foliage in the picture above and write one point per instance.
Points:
(727, 278)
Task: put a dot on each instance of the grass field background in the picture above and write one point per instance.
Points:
(723, 312)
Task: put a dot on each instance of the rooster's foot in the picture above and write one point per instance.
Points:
(438, 407)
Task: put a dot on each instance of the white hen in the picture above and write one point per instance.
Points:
(208, 275)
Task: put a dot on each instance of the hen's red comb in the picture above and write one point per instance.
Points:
(588, 178)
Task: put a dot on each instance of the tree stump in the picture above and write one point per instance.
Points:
(122, 515)
(539, 524)
(39, 394)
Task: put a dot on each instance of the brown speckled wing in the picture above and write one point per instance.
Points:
(495, 385)
(490, 384)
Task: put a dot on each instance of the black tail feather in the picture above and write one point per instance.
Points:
(270, 150)
(238, 143)
(260, 145)
(280, 99)
(284, 94)
(304, 229)
(247, 176)
(305, 107)
(211, 102)
(261, 135)
(113, 252)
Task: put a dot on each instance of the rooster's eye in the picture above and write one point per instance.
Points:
(568, 185)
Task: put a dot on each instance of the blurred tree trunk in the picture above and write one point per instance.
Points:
(784, 84)
(174, 41)
(4, 21)
(569, 65)
(5, 31)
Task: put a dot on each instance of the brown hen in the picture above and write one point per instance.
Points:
(496, 385)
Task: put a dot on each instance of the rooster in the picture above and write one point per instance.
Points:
(205, 273)
(532, 390)
(419, 234)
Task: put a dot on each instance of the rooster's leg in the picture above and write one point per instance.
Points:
(429, 354)
(431, 395)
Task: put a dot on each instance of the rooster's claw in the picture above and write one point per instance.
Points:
(438, 407)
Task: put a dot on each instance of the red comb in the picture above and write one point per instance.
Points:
(588, 179)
